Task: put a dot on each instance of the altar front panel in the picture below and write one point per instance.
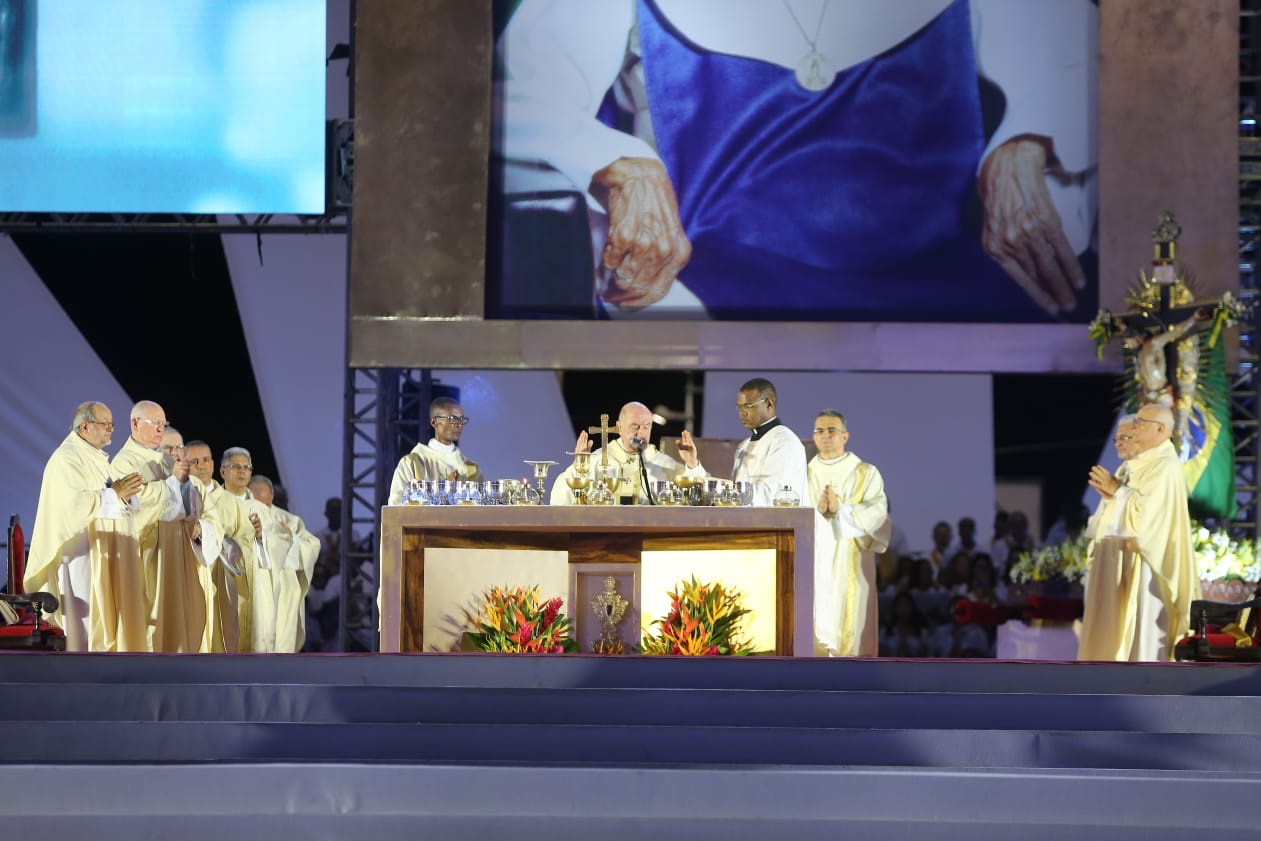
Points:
(437, 561)
(749, 571)
(455, 578)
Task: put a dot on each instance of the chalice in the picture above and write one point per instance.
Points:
(580, 479)
(540, 472)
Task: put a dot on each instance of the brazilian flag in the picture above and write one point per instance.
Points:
(1209, 450)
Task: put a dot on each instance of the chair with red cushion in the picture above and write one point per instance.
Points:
(1222, 631)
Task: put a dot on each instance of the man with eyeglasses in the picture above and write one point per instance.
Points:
(631, 451)
(84, 541)
(229, 546)
(440, 457)
(166, 547)
(258, 619)
(771, 458)
(1141, 578)
(852, 526)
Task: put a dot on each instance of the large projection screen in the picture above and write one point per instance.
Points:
(436, 281)
(178, 106)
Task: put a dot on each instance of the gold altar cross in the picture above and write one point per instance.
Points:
(603, 429)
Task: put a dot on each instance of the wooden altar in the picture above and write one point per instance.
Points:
(435, 561)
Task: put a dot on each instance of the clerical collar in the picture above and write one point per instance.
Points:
(625, 449)
(837, 460)
(764, 428)
(435, 444)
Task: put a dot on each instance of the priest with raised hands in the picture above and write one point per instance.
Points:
(632, 452)
(771, 458)
(280, 619)
(852, 526)
(1141, 578)
(84, 549)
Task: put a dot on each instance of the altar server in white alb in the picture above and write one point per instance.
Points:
(771, 458)
(852, 526)
(440, 457)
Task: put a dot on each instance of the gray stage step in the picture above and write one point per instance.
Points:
(790, 708)
(450, 746)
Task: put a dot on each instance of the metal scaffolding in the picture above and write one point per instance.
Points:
(1244, 384)
(386, 410)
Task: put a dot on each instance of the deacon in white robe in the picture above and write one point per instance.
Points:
(293, 550)
(1142, 576)
(771, 459)
(852, 526)
(84, 547)
(631, 453)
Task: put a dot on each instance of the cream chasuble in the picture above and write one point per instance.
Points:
(1142, 576)
(258, 615)
(453, 457)
(421, 463)
(845, 548)
(225, 581)
(173, 590)
(293, 551)
(658, 466)
(84, 551)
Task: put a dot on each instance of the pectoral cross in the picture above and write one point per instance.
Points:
(603, 429)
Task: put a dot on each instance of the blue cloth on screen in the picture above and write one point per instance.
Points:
(847, 203)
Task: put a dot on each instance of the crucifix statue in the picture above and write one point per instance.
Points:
(603, 430)
(1163, 334)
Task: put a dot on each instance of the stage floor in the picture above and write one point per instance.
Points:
(407, 746)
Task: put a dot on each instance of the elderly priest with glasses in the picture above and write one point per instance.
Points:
(84, 548)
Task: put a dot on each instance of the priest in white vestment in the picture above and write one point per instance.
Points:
(448, 420)
(631, 452)
(772, 458)
(258, 619)
(1142, 576)
(223, 574)
(84, 547)
(173, 594)
(440, 457)
(293, 551)
(851, 526)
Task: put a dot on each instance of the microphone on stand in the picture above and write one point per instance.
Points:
(638, 445)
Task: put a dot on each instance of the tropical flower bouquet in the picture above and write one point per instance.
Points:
(704, 619)
(516, 621)
(1065, 561)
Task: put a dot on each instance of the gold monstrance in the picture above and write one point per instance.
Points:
(610, 609)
